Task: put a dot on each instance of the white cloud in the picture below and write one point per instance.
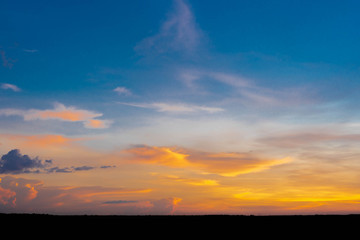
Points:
(190, 77)
(175, 107)
(62, 113)
(178, 33)
(123, 91)
(245, 90)
(11, 87)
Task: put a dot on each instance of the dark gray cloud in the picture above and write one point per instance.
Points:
(83, 168)
(69, 169)
(14, 162)
(59, 170)
(73, 169)
(107, 166)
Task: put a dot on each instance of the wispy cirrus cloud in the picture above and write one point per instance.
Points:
(179, 33)
(175, 107)
(193, 77)
(9, 86)
(30, 50)
(190, 181)
(62, 113)
(246, 90)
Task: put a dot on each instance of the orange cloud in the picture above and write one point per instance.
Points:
(45, 140)
(66, 115)
(224, 164)
(25, 195)
(160, 155)
(32, 192)
(96, 123)
(190, 181)
(233, 164)
(62, 113)
(7, 197)
(15, 191)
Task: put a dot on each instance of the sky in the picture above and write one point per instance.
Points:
(179, 107)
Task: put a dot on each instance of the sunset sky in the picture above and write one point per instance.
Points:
(180, 107)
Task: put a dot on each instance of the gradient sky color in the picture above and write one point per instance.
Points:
(179, 107)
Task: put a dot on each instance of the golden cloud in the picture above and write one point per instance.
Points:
(224, 164)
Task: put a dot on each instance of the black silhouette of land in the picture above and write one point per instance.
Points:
(272, 224)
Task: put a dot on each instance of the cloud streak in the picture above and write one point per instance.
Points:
(246, 90)
(10, 87)
(223, 164)
(42, 141)
(30, 50)
(62, 113)
(190, 181)
(175, 107)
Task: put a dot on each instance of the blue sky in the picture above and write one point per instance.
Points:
(81, 46)
(278, 79)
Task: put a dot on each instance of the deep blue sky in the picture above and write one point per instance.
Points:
(75, 40)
